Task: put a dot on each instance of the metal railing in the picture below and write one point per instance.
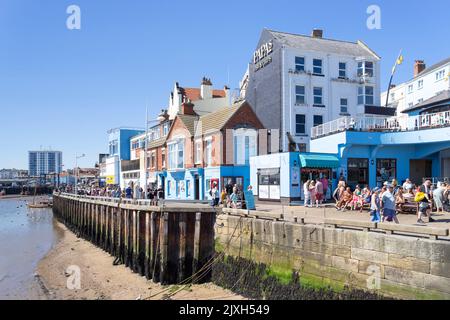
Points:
(371, 123)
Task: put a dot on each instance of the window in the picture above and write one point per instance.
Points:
(420, 84)
(165, 129)
(317, 66)
(299, 95)
(299, 64)
(198, 152)
(114, 147)
(176, 155)
(163, 158)
(318, 120)
(153, 159)
(357, 172)
(344, 105)
(209, 158)
(393, 96)
(269, 184)
(342, 70)
(365, 68)
(366, 95)
(410, 88)
(300, 124)
(318, 96)
(301, 147)
(440, 75)
(386, 170)
(245, 146)
(410, 105)
(420, 100)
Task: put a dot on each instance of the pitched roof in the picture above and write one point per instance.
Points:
(443, 96)
(434, 66)
(189, 122)
(194, 94)
(217, 120)
(157, 143)
(358, 49)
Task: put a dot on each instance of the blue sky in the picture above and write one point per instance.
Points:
(65, 89)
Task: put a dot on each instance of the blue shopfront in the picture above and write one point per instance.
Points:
(226, 175)
(280, 177)
(185, 184)
(371, 158)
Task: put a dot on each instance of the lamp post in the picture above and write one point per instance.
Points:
(77, 171)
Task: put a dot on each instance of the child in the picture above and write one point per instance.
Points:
(375, 206)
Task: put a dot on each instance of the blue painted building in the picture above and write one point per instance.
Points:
(119, 150)
(371, 152)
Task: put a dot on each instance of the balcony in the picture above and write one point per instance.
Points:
(133, 165)
(378, 124)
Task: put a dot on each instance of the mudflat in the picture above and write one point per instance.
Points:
(99, 279)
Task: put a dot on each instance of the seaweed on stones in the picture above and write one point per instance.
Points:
(252, 280)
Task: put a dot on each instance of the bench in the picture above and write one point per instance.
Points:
(409, 207)
(431, 232)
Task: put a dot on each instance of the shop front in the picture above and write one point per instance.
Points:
(316, 166)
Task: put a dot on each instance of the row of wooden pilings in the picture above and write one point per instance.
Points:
(167, 244)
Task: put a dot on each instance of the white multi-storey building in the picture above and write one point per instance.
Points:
(297, 82)
(427, 83)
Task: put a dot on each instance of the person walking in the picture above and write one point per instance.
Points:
(306, 193)
(438, 197)
(375, 206)
(325, 184)
(312, 193)
(215, 196)
(319, 192)
(388, 205)
(129, 192)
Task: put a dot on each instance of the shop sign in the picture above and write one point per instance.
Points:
(260, 55)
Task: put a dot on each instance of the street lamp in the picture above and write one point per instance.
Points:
(77, 171)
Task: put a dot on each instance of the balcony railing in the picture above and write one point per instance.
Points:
(377, 124)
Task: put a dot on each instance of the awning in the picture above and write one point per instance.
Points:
(319, 161)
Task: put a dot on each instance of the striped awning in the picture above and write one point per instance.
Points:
(319, 161)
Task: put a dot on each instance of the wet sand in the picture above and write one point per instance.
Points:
(101, 280)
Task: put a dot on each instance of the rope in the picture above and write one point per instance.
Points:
(201, 273)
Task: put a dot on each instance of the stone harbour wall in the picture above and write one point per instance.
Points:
(398, 266)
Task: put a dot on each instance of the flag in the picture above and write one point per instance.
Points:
(398, 62)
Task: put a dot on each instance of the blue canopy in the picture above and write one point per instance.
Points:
(319, 161)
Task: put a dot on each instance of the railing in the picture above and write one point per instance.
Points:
(367, 123)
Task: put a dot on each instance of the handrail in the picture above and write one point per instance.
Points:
(372, 123)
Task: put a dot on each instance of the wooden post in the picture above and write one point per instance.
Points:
(182, 252)
(147, 245)
(164, 234)
(196, 258)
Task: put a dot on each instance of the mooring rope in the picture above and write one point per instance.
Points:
(203, 270)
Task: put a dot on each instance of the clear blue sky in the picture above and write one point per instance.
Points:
(65, 89)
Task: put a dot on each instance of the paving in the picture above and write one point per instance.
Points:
(317, 215)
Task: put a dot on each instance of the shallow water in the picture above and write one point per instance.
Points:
(26, 236)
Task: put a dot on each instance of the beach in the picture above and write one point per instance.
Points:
(101, 280)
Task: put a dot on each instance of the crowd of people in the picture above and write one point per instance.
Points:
(130, 192)
(386, 202)
(232, 196)
(315, 191)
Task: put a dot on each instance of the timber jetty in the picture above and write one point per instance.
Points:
(167, 244)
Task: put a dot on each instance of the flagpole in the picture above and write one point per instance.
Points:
(392, 77)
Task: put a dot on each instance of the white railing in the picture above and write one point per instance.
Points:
(372, 123)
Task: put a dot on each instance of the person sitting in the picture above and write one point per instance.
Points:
(399, 200)
(345, 200)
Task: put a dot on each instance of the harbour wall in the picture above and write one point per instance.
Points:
(404, 266)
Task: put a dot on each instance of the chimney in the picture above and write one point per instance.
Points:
(206, 90)
(419, 66)
(187, 108)
(317, 33)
